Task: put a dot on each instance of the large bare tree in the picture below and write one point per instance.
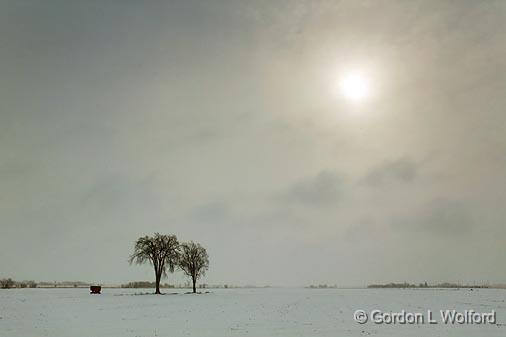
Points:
(193, 261)
(161, 251)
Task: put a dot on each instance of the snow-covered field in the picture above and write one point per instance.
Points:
(237, 312)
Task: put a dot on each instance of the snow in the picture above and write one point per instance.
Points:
(237, 312)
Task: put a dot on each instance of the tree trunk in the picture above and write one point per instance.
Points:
(158, 277)
(194, 288)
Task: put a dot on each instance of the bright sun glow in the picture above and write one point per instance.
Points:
(354, 86)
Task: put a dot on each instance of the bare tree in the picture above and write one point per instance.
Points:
(193, 261)
(6, 283)
(161, 251)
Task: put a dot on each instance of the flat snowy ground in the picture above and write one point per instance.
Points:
(237, 312)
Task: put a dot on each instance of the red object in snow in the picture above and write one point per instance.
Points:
(95, 289)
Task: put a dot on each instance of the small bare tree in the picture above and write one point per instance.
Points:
(161, 251)
(193, 261)
(7, 283)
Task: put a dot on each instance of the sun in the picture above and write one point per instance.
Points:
(354, 86)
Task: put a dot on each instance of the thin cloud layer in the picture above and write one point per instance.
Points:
(220, 122)
(402, 170)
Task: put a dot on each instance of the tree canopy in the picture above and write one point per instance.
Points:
(193, 261)
(161, 251)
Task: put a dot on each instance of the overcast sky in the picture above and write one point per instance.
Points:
(220, 122)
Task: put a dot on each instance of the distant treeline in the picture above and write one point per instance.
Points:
(322, 286)
(426, 285)
(145, 284)
(64, 284)
(8, 283)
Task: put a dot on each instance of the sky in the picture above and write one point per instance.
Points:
(221, 122)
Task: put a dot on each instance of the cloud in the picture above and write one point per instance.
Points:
(324, 189)
(399, 170)
(192, 119)
(364, 228)
(214, 212)
(440, 217)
